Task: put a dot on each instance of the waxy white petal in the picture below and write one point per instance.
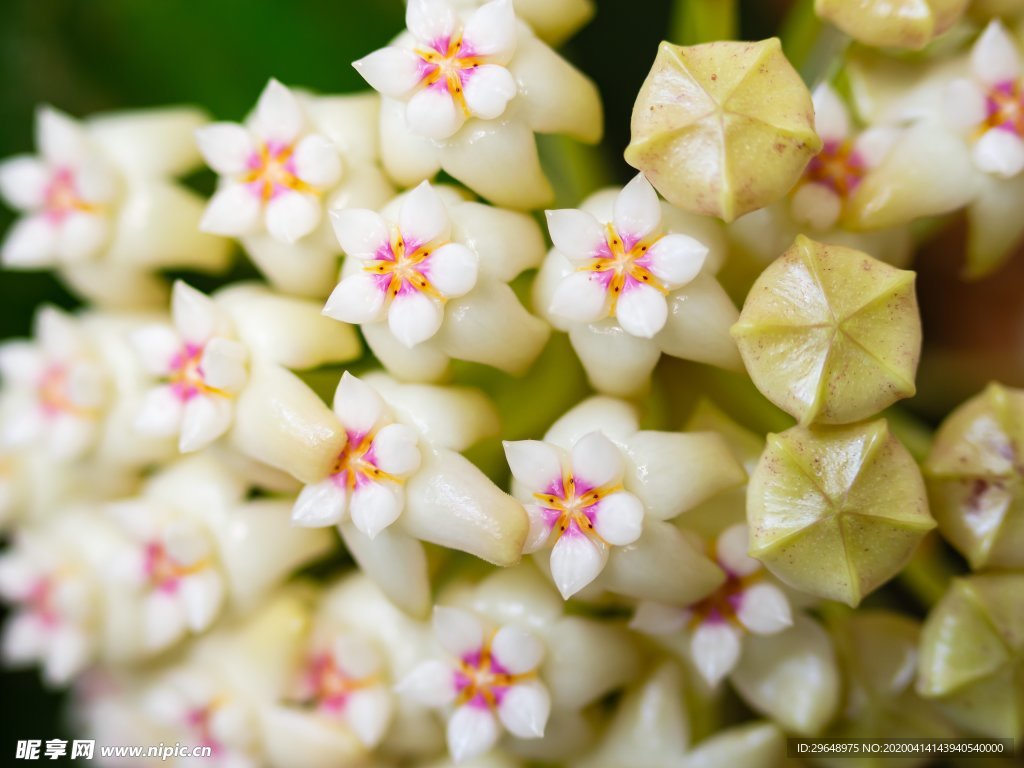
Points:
(731, 551)
(202, 595)
(816, 205)
(452, 269)
(459, 632)
(30, 242)
(69, 436)
(423, 217)
(580, 297)
(831, 118)
(994, 57)
(396, 451)
(999, 152)
(431, 683)
(637, 212)
(23, 638)
(195, 314)
(368, 713)
(575, 561)
(358, 405)
(279, 116)
(764, 609)
(471, 732)
(68, 654)
(223, 364)
(80, 236)
(356, 299)
(362, 233)
(375, 506)
(357, 657)
(676, 259)
(293, 215)
(965, 104)
(206, 417)
(524, 710)
(414, 317)
(430, 21)
(491, 31)
(715, 648)
(95, 183)
(576, 234)
(873, 145)
(317, 161)
(391, 71)
(517, 650)
(488, 89)
(653, 618)
(535, 464)
(226, 147)
(160, 413)
(620, 518)
(641, 311)
(433, 113)
(23, 181)
(61, 139)
(319, 504)
(163, 618)
(233, 211)
(596, 461)
(156, 346)
(540, 529)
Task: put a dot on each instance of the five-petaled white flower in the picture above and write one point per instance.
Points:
(55, 388)
(274, 171)
(578, 496)
(989, 106)
(494, 679)
(453, 70)
(409, 268)
(202, 369)
(367, 478)
(342, 680)
(624, 268)
(746, 602)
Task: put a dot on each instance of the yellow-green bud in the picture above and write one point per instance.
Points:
(722, 128)
(830, 334)
(836, 511)
(892, 23)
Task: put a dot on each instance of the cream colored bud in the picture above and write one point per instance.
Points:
(892, 23)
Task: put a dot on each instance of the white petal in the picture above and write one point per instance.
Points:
(355, 656)
(764, 609)
(223, 364)
(816, 205)
(517, 650)
(22, 363)
(873, 145)
(319, 504)
(575, 561)
(231, 725)
(423, 217)
(317, 161)
(431, 684)
(596, 461)
(491, 31)
(731, 551)
(18, 574)
(195, 314)
(95, 183)
(452, 269)
(202, 595)
(368, 713)
(278, 114)
(226, 147)
(653, 618)
(535, 464)
(68, 655)
(641, 311)
(999, 152)
(206, 418)
(430, 20)
(156, 346)
(676, 259)
(23, 181)
(396, 451)
(994, 57)
(965, 104)
(163, 617)
(375, 506)
(80, 236)
(459, 632)
(391, 71)
(540, 528)
(24, 638)
(576, 234)
(580, 297)
(233, 211)
(414, 317)
(359, 298)
(472, 731)
(488, 89)
(69, 436)
(637, 210)
(524, 710)
(61, 140)
(160, 413)
(831, 119)
(31, 242)
(358, 405)
(22, 427)
(433, 113)
(715, 648)
(619, 518)
(293, 215)
(362, 233)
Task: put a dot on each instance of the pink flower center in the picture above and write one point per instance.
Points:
(40, 602)
(53, 392)
(481, 681)
(1005, 108)
(271, 172)
(356, 465)
(61, 197)
(571, 504)
(838, 166)
(403, 266)
(199, 722)
(446, 64)
(163, 571)
(623, 262)
(186, 377)
(723, 604)
(326, 686)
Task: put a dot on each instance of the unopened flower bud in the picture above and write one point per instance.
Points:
(888, 24)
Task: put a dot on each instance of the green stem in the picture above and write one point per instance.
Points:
(928, 573)
(703, 21)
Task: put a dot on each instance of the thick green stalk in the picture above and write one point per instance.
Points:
(703, 21)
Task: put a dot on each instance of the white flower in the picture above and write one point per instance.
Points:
(625, 267)
(746, 602)
(491, 679)
(366, 483)
(55, 388)
(579, 497)
(202, 369)
(410, 269)
(554, 21)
